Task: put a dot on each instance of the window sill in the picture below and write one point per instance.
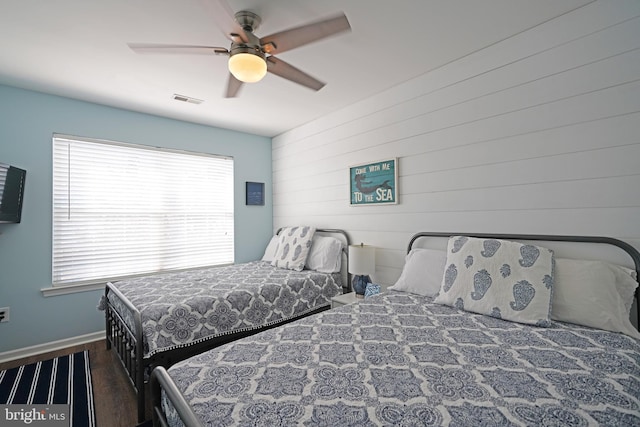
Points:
(54, 291)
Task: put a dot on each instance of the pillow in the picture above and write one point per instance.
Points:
(593, 293)
(422, 272)
(503, 279)
(270, 252)
(293, 247)
(626, 288)
(325, 254)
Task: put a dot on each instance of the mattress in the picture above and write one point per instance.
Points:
(399, 359)
(182, 308)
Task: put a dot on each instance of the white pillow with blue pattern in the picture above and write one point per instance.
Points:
(293, 247)
(272, 248)
(499, 278)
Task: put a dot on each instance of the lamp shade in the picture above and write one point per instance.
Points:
(247, 67)
(362, 259)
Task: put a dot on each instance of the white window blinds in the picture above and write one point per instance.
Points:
(121, 210)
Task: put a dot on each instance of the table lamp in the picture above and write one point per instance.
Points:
(362, 263)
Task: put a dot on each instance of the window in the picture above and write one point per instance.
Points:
(121, 210)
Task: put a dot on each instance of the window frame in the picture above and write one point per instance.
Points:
(228, 213)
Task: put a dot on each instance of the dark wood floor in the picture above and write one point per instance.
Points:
(113, 395)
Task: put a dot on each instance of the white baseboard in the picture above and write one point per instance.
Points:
(50, 346)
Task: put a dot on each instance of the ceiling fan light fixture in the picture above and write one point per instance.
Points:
(247, 67)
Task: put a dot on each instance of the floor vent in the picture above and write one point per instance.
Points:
(188, 99)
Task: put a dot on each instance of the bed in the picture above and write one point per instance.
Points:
(409, 356)
(157, 320)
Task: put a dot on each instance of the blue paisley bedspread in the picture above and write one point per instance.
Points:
(182, 308)
(400, 359)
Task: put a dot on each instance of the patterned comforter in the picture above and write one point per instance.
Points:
(183, 308)
(399, 359)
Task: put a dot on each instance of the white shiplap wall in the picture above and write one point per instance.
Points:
(539, 133)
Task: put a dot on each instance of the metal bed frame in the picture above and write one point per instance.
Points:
(161, 380)
(630, 250)
(128, 343)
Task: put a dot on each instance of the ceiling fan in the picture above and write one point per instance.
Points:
(251, 57)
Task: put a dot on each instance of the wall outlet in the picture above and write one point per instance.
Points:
(4, 314)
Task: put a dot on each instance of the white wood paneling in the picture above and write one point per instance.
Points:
(539, 133)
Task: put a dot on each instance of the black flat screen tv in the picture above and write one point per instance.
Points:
(11, 193)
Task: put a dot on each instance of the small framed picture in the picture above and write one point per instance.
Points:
(255, 193)
(374, 183)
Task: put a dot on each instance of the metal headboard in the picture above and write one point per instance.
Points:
(630, 250)
(345, 251)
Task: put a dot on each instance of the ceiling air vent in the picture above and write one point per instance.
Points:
(188, 99)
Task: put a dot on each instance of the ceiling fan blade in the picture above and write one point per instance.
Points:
(224, 17)
(233, 86)
(295, 37)
(289, 72)
(177, 49)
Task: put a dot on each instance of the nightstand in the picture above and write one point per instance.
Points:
(344, 299)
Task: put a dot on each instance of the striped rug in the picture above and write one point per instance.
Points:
(62, 380)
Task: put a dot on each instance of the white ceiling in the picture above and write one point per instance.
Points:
(78, 49)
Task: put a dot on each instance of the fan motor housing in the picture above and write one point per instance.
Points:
(249, 22)
(237, 48)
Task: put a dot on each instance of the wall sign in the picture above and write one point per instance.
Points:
(255, 193)
(374, 183)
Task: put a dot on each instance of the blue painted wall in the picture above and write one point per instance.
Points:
(27, 121)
